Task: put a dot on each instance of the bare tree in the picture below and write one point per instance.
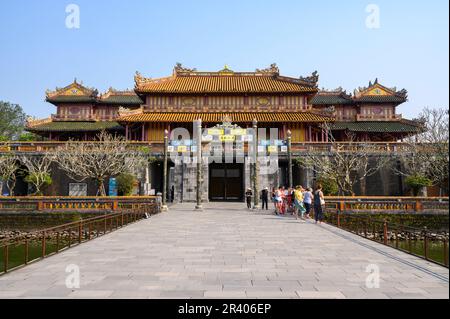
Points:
(425, 155)
(8, 170)
(107, 157)
(345, 163)
(39, 170)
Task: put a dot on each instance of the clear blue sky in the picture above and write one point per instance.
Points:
(410, 49)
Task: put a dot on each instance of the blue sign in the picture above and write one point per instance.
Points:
(112, 187)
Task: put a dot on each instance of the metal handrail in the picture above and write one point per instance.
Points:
(52, 240)
(391, 234)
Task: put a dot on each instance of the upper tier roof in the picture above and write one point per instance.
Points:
(377, 93)
(374, 93)
(185, 80)
(335, 97)
(77, 93)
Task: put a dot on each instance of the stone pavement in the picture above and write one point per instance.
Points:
(227, 251)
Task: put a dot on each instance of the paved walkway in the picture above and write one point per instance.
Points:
(228, 252)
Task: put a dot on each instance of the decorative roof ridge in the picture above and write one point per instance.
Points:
(139, 79)
(32, 121)
(414, 122)
(393, 91)
(272, 69)
(88, 91)
(338, 91)
(127, 112)
(113, 92)
(329, 112)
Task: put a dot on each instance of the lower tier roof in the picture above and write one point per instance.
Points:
(59, 126)
(377, 127)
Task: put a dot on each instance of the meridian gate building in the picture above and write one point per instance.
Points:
(229, 104)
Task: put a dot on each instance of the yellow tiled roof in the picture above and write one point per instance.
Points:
(218, 117)
(232, 83)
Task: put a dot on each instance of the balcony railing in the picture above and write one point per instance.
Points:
(372, 117)
(158, 147)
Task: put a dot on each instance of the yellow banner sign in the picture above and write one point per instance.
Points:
(182, 149)
(272, 149)
(227, 138)
(239, 131)
(215, 131)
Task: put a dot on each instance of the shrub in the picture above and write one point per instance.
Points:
(39, 181)
(417, 182)
(125, 184)
(329, 186)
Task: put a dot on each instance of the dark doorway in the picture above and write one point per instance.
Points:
(226, 182)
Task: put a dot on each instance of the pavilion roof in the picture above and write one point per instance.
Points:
(333, 97)
(186, 81)
(127, 97)
(232, 116)
(377, 93)
(72, 93)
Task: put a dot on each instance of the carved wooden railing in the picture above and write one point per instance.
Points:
(158, 146)
(371, 117)
(387, 204)
(55, 203)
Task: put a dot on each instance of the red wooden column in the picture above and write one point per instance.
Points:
(126, 132)
(143, 132)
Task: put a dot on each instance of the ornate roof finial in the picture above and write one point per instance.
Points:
(312, 79)
(179, 68)
(273, 68)
(226, 69)
(376, 81)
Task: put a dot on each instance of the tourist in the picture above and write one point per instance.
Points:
(279, 201)
(265, 197)
(248, 197)
(298, 202)
(283, 195)
(273, 198)
(307, 200)
(319, 204)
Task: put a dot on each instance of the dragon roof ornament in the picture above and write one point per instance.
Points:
(312, 79)
(273, 68)
(179, 68)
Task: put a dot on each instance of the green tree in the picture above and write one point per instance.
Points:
(27, 137)
(125, 184)
(417, 182)
(329, 186)
(12, 121)
(40, 181)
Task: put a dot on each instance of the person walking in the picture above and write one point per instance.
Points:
(248, 197)
(319, 204)
(265, 198)
(298, 202)
(307, 200)
(278, 201)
